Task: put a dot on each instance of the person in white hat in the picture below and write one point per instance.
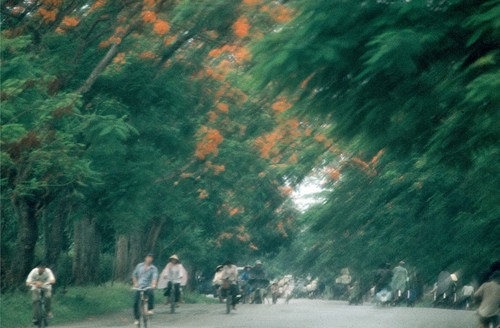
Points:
(174, 275)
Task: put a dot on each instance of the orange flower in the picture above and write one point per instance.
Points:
(209, 143)
(282, 14)
(233, 212)
(252, 2)
(97, 4)
(285, 190)
(334, 174)
(161, 27)
(223, 107)
(218, 169)
(212, 116)
(120, 30)
(170, 40)
(70, 21)
(48, 15)
(241, 27)
(203, 194)
(104, 44)
(52, 3)
(319, 137)
(119, 58)
(147, 54)
(225, 235)
(244, 237)
(281, 105)
(148, 16)
(215, 53)
(212, 34)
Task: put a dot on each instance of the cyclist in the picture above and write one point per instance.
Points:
(258, 282)
(145, 275)
(230, 275)
(174, 274)
(41, 277)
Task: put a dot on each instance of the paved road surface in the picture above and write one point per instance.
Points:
(297, 314)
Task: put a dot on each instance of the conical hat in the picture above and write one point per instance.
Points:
(174, 257)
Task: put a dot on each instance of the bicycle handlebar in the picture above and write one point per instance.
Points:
(33, 284)
(142, 289)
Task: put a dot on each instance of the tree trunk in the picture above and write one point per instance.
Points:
(154, 233)
(55, 234)
(136, 251)
(122, 258)
(113, 50)
(87, 242)
(27, 236)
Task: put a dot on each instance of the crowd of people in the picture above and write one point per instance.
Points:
(390, 286)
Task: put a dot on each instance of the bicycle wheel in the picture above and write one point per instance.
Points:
(41, 315)
(172, 299)
(145, 315)
(229, 301)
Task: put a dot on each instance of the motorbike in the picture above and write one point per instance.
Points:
(383, 297)
(445, 295)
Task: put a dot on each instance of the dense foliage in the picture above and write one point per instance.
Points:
(124, 131)
(410, 90)
(184, 126)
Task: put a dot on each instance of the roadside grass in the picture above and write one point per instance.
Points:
(75, 304)
(78, 303)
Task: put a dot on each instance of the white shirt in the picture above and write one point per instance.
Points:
(45, 277)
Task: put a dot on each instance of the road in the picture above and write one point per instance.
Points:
(299, 314)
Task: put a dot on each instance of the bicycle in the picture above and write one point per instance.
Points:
(226, 289)
(172, 298)
(41, 313)
(145, 317)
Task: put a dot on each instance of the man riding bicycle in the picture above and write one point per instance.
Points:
(41, 277)
(229, 282)
(145, 275)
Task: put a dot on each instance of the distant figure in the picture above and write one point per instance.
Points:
(41, 277)
(257, 272)
(340, 290)
(245, 286)
(258, 283)
(145, 275)
(399, 281)
(383, 277)
(489, 295)
(229, 281)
